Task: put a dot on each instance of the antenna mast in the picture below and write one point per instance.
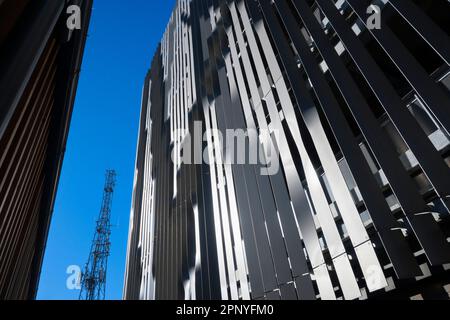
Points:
(93, 279)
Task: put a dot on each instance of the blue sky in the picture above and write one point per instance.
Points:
(122, 39)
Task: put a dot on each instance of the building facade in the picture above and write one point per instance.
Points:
(40, 59)
(355, 98)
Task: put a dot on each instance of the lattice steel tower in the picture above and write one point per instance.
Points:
(93, 279)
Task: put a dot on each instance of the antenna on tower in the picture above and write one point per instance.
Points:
(93, 278)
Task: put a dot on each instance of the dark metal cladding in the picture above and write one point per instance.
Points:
(40, 61)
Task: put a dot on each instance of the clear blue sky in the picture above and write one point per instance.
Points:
(122, 39)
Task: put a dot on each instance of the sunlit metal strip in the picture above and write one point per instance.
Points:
(429, 158)
(348, 210)
(250, 235)
(432, 95)
(164, 284)
(302, 211)
(268, 272)
(130, 266)
(326, 220)
(402, 258)
(258, 240)
(294, 245)
(238, 242)
(263, 185)
(234, 103)
(428, 233)
(351, 289)
(257, 282)
(290, 231)
(235, 120)
(223, 102)
(174, 237)
(148, 212)
(218, 161)
(211, 280)
(314, 251)
(159, 198)
(300, 204)
(217, 219)
(213, 177)
(292, 238)
(298, 197)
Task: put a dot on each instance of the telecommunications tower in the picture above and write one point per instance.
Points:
(93, 278)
